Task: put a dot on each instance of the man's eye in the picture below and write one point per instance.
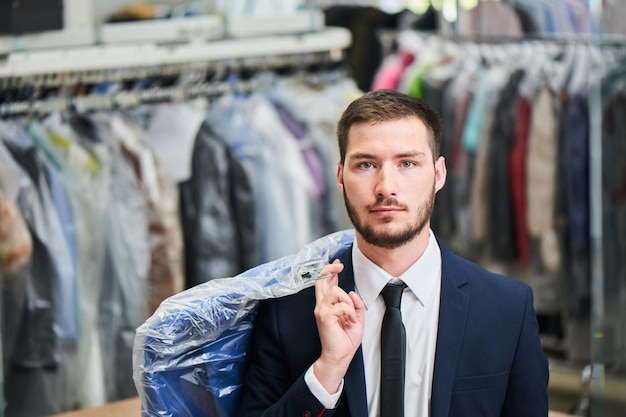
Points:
(366, 165)
(407, 164)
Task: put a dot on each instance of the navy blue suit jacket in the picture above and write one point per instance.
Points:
(488, 360)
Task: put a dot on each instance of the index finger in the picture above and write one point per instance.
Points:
(330, 271)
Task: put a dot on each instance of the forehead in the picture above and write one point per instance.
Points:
(398, 133)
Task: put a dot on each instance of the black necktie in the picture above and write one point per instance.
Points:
(393, 354)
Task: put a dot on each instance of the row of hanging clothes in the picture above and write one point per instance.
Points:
(513, 19)
(516, 142)
(119, 194)
(525, 18)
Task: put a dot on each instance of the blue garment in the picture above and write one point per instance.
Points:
(67, 292)
(190, 356)
(577, 160)
(549, 21)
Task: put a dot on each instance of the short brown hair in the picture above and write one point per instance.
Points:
(386, 105)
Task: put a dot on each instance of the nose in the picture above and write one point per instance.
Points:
(386, 185)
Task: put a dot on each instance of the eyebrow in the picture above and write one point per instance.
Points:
(365, 155)
(416, 154)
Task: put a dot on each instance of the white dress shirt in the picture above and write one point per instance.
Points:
(420, 314)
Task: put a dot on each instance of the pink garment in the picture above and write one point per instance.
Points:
(391, 70)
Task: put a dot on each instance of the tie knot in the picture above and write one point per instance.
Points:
(392, 294)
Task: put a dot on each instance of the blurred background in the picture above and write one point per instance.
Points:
(148, 147)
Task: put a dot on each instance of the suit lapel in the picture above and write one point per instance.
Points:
(452, 319)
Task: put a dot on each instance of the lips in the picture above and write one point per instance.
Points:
(386, 210)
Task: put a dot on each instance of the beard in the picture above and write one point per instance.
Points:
(391, 240)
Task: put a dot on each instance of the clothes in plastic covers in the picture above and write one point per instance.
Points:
(189, 357)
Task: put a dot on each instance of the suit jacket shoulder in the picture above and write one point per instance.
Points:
(488, 355)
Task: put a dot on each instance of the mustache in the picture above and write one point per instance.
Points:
(386, 202)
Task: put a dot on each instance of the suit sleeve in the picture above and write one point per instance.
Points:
(274, 387)
(527, 393)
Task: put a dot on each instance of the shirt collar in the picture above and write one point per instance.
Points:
(422, 277)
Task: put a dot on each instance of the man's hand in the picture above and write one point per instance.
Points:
(340, 318)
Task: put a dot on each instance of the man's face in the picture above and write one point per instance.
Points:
(389, 180)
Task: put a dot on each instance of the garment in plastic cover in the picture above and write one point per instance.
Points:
(189, 357)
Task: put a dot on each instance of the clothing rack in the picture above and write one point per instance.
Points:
(591, 82)
(391, 38)
(54, 98)
(207, 69)
(191, 81)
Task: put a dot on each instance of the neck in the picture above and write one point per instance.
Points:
(397, 260)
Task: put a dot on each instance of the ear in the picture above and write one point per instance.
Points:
(340, 176)
(441, 173)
